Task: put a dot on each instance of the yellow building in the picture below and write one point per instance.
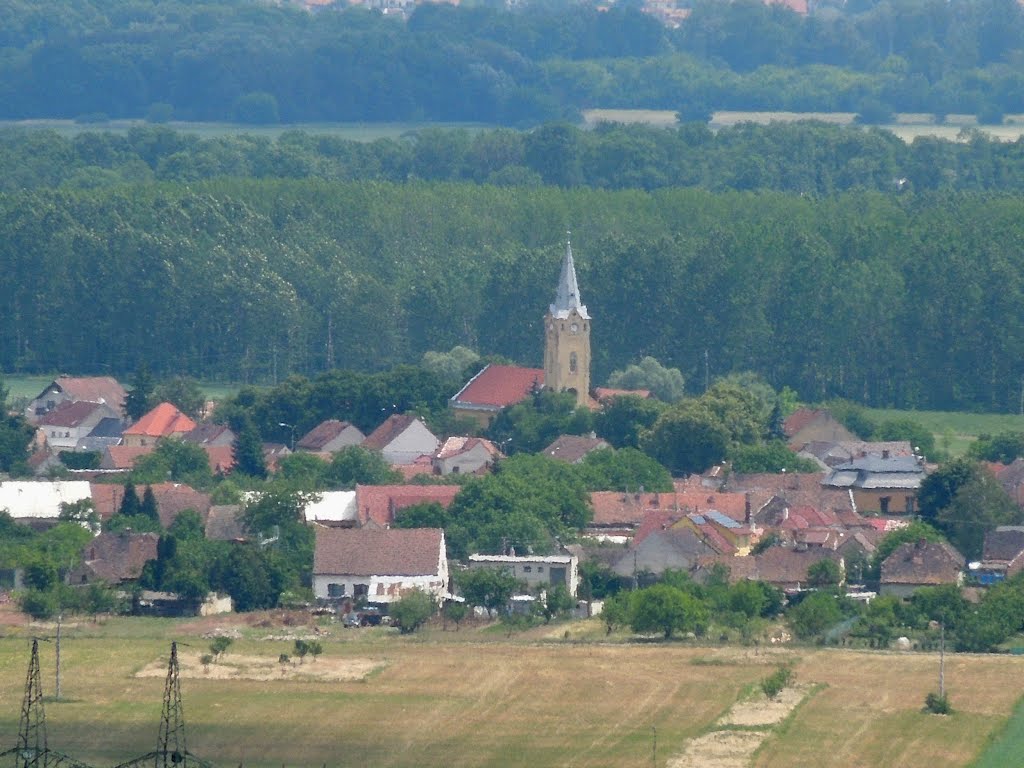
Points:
(567, 336)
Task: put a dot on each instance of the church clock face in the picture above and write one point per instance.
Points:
(574, 328)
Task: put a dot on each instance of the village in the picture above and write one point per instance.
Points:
(792, 531)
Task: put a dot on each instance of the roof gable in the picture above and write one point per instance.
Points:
(573, 448)
(323, 433)
(95, 389)
(389, 431)
(163, 421)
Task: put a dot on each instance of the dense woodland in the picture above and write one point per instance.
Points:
(907, 300)
(262, 62)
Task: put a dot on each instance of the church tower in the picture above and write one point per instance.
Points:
(567, 336)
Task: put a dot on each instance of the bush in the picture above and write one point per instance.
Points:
(937, 704)
(412, 611)
(39, 604)
(777, 680)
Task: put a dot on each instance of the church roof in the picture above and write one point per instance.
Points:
(567, 297)
(497, 387)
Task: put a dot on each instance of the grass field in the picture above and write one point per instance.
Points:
(353, 131)
(958, 430)
(30, 386)
(475, 698)
(908, 126)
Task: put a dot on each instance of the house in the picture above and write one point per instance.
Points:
(114, 558)
(830, 454)
(72, 421)
(379, 565)
(334, 508)
(572, 449)
(881, 484)
(330, 437)
(171, 499)
(1002, 554)
(495, 388)
(224, 523)
(123, 457)
(806, 425)
(782, 567)
(38, 502)
(402, 439)
(376, 505)
(465, 456)
(921, 563)
(658, 546)
(206, 433)
(106, 433)
(91, 389)
(618, 515)
(162, 422)
(536, 571)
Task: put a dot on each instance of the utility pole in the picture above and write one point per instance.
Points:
(60, 617)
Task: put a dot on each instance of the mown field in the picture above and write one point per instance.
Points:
(476, 698)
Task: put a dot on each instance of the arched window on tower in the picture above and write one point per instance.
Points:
(573, 363)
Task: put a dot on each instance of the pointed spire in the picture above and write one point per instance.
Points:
(567, 297)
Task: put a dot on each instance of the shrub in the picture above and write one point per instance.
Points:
(777, 680)
(937, 704)
(412, 611)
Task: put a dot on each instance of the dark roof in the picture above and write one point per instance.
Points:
(370, 552)
(498, 386)
(107, 427)
(205, 432)
(224, 523)
(115, 557)
(922, 562)
(392, 427)
(1004, 543)
(70, 413)
(322, 434)
(572, 448)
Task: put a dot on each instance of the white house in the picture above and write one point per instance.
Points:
(465, 455)
(30, 501)
(71, 421)
(402, 439)
(535, 570)
(379, 565)
(330, 436)
(333, 509)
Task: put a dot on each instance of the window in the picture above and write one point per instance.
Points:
(884, 504)
(361, 590)
(573, 363)
(335, 590)
(540, 569)
(527, 569)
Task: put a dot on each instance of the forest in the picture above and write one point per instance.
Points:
(263, 63)
(911, 301)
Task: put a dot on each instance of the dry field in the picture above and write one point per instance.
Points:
(475, 698)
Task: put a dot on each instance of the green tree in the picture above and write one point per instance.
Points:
(248, 451)
(175, 460)
(814, 614)
(139, 399)
(773, 456)
(626, 469)
(623, 419)
(1003, 447)
(355, 465)
(557, 601)
(220, 645)
(82, 511)
(15, 438)
(129, 506)
(413, 610)
(489, 588)
(664, 383)
(824, 573)
(921, 439)
(666, 609)
(148, 506)
(184, 393)
(686, 439)
(616, 611)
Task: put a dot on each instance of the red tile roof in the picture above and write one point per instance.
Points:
(387, 552)
(799, 419)
(378, 503)
(163, 421)
(95, 389)
(171, 498)
(613, 508)
(498, 386)
(424, 465)
(116, 557)
(124, 456)
(222, 458)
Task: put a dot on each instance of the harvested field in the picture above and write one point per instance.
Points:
(475, 698)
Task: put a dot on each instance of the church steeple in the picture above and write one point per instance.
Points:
(567, 336)
(567, 297)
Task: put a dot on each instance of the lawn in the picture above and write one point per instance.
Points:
(473, 698)
(956, 429)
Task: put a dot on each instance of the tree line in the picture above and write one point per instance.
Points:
(804, 158)
(905, 301)
(542, 60)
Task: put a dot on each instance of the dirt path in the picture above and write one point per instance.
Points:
(738, 733)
